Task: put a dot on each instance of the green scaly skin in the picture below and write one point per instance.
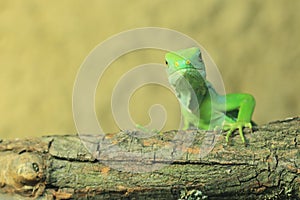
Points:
(187, 75)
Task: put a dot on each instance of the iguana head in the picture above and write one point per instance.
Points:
(185, 59)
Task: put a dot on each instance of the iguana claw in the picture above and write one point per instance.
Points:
(237, 125)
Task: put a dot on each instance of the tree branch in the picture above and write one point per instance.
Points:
(171, 165)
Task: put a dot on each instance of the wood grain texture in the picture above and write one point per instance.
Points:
(60, 167)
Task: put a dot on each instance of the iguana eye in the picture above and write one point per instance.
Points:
(35, 167)
(188, 62)
(166, 62)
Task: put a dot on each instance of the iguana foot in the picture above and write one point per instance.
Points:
(146, 130)
(231, 127)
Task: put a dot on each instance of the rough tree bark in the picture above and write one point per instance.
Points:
(172, 165)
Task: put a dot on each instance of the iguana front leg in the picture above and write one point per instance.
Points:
(244, 104)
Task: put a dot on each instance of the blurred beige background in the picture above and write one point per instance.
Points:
(255, 45)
